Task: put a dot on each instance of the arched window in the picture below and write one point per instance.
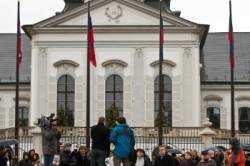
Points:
(114, 99)
(23, 117)
(167, 100)
(244, 119)
(213, 113)
(65, 100)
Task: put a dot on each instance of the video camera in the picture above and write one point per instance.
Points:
(46, 121)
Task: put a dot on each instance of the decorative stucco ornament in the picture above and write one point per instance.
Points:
(114, 13)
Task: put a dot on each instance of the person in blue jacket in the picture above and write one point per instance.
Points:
(122, 137)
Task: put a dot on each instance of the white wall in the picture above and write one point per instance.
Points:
(181, 49)
(7, 103)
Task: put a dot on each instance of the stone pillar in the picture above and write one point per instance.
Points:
(37, 140)
(207, 134)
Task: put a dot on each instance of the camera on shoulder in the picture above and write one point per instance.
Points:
(46, 121)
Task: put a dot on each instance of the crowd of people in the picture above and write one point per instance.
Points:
(123, 152)
(30, 158)
(81, 156)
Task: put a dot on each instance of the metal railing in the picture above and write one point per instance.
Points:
(138, 131)
(183, 138)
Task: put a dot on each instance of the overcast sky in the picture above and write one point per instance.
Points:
(212, 12)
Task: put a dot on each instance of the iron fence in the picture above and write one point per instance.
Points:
(146, 138)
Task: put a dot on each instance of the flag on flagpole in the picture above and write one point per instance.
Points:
(161, 35)
(91, 42)
(231, 37)
(19, 37)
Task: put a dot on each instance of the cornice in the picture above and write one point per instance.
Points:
(117, 44)
(224, 87)
(114, 29)
(12, 86)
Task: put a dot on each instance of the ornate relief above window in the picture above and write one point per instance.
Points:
(66, 62)
(165, 62)
(213, 98)
(114, 62)
(241, 98)
(66, 67)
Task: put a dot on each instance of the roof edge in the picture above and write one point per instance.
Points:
(28, 30)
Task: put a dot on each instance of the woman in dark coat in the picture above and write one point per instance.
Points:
(25, 161)
(141, 158)
(81, 156)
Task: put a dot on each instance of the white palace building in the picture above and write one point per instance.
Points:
(196, 68)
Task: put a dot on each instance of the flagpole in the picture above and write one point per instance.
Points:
(160, 131)
(232, 61)
(17, 84)
(88, 87)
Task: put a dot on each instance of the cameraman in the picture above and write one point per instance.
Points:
(50, 139)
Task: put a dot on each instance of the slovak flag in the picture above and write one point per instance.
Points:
(231, 38)
(91, 46)
(19, 36)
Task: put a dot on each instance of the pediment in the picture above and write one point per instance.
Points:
(114, 13)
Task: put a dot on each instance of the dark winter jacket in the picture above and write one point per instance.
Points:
(49, 140)
(187, 162)
(175, 162)
(218, 160)
(123, 138)
(65, 159)
(163, 161)
(209, 162)
(197, 159)
(25, 163)
(3, 161)
(100, 138)
(82, 160)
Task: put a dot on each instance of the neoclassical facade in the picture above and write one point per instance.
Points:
(126, 77)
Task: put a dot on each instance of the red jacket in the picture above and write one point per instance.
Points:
(240, 160)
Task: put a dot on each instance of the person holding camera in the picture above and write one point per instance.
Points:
(50, 138)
